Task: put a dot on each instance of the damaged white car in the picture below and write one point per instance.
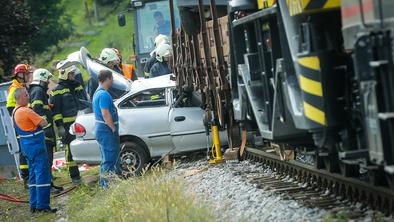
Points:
(153, 121)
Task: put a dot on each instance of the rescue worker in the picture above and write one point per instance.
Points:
(65, 99)
(110, 59)
(39, 103)
(78, 73)
(152, 59)
(29, 127)
(20, 77)
(127, 70)
(107, 128)
(161, 67)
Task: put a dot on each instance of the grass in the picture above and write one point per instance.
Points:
(150, 197)
(10, 211)
(109, 34)
(343, 216)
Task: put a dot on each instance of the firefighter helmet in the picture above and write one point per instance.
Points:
(41, 75)
(22, 68)
(163, 50)
(64, 72)
(108, 55)
(161, 39)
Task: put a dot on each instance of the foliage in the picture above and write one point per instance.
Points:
(16, 28)
(109, 34)
(29, 27)
(52, 24)
(106, 2)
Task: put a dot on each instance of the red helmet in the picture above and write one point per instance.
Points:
(22, 68)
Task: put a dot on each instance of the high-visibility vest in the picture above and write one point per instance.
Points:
(128, 71)
(11, 99)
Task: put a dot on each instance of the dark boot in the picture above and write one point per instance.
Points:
(76, 180)
(50, 210)
(56, 189)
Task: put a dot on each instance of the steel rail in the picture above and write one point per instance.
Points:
(379, 198)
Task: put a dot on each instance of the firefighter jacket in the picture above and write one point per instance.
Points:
(149, 63)
(11, 103)
(39, 104)
(159, 69)
(65, 98)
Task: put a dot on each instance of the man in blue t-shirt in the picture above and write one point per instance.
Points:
(107, 128)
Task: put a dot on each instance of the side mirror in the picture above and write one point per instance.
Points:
(121, 19)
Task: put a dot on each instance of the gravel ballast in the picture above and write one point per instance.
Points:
(226, 188)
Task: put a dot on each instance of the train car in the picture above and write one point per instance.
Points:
(313, 77)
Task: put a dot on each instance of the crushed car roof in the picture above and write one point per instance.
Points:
(151, 83)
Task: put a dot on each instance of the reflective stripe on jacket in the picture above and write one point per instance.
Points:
(65, 100)
(39, 104)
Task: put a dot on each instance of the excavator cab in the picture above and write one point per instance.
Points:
(151, 18)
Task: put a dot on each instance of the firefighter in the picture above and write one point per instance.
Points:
(39, 103)
(29, 128)
(110, 59)
(78, 73)
(161, 67)
(107, 128)
(152, 59)
(65, 99)
(20, 77)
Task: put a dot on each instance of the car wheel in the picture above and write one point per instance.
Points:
(133, 158)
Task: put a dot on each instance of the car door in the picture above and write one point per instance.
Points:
(145, 114)
(186, 123)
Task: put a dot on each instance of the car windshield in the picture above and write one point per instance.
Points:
(152, 20)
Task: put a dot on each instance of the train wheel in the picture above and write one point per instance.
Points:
(319, 161)
(331, 162)
(376, 176)
(390, 180)
(349, 169)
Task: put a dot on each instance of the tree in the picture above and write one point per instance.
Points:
(16, 29)
(28, 27)
(52, 25)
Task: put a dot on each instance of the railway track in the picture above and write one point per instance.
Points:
(318, 188)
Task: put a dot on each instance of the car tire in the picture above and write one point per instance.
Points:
(132, 158)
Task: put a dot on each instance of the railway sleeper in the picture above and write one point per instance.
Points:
(323, 182)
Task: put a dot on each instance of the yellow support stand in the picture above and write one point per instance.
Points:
(216, 153)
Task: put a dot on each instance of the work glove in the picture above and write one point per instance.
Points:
(62, 131)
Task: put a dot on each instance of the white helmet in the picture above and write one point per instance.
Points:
(41, 75)
(63, 72)
(161, 39)
(163, 50)
(108, 55)
(158, 40)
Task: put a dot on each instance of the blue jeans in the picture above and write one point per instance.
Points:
(109, 143)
